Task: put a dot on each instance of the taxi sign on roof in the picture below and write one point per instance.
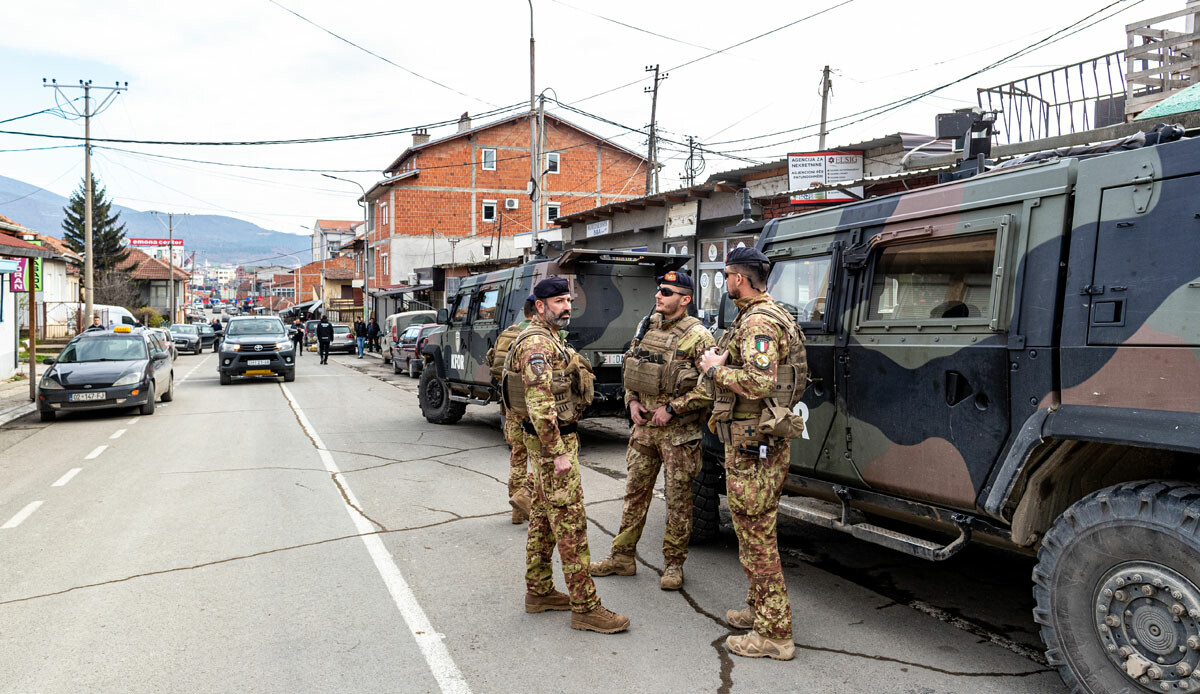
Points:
(122, 329)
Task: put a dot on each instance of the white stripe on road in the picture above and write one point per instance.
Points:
(117, 434)
(135, 420)
(96, 453)
(431, 643)
(62, 481)
(193, 370)
(21, 516)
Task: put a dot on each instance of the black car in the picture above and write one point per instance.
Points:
(208, 336)
(186, 338)
(256, 346)
(127, 367)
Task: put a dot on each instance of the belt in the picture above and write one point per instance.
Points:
(563, 429)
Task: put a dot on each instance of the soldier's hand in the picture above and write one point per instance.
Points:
(713, 357)
(637, 412)
(562, 464)
(661, 417)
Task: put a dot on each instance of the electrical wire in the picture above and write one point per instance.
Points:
(41, 149)
(635, 28)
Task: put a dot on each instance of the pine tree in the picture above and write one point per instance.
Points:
(108, 234)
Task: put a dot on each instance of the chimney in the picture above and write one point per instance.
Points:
(420, 137)
(464, 122)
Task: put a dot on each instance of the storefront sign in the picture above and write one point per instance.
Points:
(152, 243)
(599, 228)
(681, 219)
(16, 281)
(816, 169)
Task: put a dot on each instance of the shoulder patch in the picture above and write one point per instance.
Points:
(762, 342)
(537, 362)
(762, 361)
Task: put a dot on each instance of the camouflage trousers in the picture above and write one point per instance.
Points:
(519, 474)
(676, 449)
(558, 518)
(754, 485)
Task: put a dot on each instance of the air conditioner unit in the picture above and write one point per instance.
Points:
(510, 203)
(412, 279)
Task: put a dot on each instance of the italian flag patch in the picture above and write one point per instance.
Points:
(761, 342)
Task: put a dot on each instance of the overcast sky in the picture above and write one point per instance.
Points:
(228, 70)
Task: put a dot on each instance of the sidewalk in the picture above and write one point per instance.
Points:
(14, 395)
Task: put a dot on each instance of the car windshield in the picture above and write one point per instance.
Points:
(255, 326)
(182, 329)
(341, 330)
(116, 348)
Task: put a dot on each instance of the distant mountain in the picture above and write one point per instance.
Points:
(215, 238)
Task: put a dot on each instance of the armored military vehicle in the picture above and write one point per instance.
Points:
(1015, 358)
(612, 290)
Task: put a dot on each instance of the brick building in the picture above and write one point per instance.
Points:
(453, 196)
(328, 235)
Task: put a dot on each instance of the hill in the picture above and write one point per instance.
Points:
(215, 238)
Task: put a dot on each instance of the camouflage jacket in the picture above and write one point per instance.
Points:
(755, 344)
(691, 346)
(510, 333)
(536, 357)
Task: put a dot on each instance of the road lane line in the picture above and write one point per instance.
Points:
(449, 678)
(21, 516)
(62, 481)
(96, 453)
(193, 370)
(133, 421)
(117, 434)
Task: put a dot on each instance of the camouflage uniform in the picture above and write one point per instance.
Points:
(519, 475)
(558, 516)
(675, 447)
(754, 483)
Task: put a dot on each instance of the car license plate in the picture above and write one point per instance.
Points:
(258, 362)
(81, 397)
(614, 359)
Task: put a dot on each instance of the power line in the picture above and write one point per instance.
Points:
(631, 26)
(40, 149)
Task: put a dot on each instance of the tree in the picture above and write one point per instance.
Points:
(108, 234)
(114, 288)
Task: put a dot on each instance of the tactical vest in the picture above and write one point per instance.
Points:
(572, 385)
(655, 366)
(498, 354)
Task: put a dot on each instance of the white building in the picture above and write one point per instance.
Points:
(328, 235)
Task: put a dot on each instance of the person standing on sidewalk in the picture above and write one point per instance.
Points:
(324, 338)
(297, 337)
(360, 335)
(373, 335)
(665, 396)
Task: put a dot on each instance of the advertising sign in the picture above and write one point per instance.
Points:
(151, 243)
(815, 169)
(598, 228)
(681, 219)
(157, 248)
(16, 281)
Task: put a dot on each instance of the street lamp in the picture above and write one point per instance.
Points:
(366, 244)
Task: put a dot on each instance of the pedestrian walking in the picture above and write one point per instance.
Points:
(520, 479)
(297, 337)
(751, 360)
(360, 335)
(324, 338)
(373, 332)
(665, 397)
(541, 363)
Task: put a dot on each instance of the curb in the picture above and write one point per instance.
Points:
(17, 412)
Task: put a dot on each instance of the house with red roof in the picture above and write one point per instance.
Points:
(153, 279)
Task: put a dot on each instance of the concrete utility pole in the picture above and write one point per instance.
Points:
(170, 264)
(537, 206)
(534, 193)
(88, 112)
(652, 154)
(826, 87)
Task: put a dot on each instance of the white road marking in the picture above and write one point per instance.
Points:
(449, 678)
(21, 516)
(62, 481)
(117, 434)
(193, 370)
(135, 420)
(96, 453)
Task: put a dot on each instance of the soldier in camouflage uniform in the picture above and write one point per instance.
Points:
(665, 396)
(549, 385)
(520, 479)
(755, 465)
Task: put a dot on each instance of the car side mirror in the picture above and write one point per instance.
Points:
(48, 361)
(443, 316)
(159, 356)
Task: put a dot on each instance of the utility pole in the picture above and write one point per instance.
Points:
(88, 112)
(537, 206)
(170, 263)
(534, 193)
(652, 154)
(826, 87)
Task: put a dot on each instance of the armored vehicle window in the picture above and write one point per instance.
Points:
(460, 308)
(944, 278)
(800, 285)
(487, 304)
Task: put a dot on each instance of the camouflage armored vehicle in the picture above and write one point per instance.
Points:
(1015, 358)
(612, 290)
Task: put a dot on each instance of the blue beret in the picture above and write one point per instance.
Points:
(550, 287)
(530, 298)
(679, 278)
(746, 255)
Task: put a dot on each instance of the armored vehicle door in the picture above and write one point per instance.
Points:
(485, 325)
(924, 375)
(458, 337)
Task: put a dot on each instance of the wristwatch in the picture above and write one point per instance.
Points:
(711, 370)
(670, 410)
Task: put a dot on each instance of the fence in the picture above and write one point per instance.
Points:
(1161, 60)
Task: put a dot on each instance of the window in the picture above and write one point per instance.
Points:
(461, 308)
(384, 265)
(489, 160)
(945, 278)
(487, 304)
(489, 210)
(384, 217)
(799, 285)
(552, 162)
(552, 209)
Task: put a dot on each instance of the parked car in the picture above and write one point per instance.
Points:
(256, 346)
(165, 336)
(310, 331)
(395, 324)
(127, 367)
(208, 336)
(186, 338)
(407, 355)
(343, 340)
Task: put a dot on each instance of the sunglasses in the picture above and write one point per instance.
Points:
(728, 273)
(666, 291)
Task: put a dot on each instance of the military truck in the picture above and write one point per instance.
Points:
(1014, 358)
(612, 290)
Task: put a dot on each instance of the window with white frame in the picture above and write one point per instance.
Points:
(384, 264)
(489, 160)
(489, 210)
(384, 218)
(552, 209)
(552, 162)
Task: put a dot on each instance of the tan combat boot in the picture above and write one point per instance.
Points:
(740, 619)
(599, 619)
(619, 564)
(755, 645)
(672, 578)
(521, 502)
(545, 603)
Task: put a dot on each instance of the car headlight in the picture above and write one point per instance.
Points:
(230, 347)
(130, 379)
(282, 345)
(49, 383)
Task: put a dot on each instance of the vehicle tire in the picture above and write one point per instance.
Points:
(148, 408)
(289, 376)
(396, 367)
(226, 379)
(170, 394)
(706, 499)
(46, 415)
(1118, 570)
(434, 398)
(413, 371)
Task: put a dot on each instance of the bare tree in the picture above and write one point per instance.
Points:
(114, 288)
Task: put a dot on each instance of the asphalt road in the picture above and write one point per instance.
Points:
(321, 536)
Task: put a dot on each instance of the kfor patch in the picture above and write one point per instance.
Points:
(762, 361)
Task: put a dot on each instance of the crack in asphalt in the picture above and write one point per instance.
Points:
(396, 461)
(931, 668)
